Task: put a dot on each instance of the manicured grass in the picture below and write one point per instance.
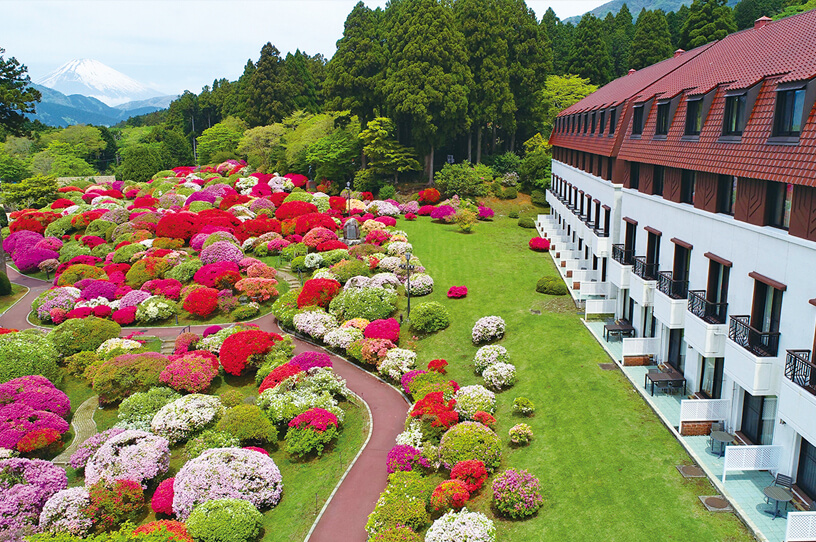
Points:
(7, 301)
(605, 461)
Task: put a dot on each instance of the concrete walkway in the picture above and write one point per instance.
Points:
(84, 427)
(345, 514)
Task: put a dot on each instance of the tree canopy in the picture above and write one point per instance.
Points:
(17, 97)
(652, 41)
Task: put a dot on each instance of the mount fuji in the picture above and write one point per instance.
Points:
(91, 78)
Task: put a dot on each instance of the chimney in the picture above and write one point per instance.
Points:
(679, 52)
(762, 21)
(631, 71)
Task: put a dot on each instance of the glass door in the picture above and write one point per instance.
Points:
(806, 474)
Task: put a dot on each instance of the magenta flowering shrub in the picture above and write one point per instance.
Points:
(50, 243)
(27, 260)
(221, 251)
(309, 360)
(162, 501)
(97, 288)
(388, 329)
(456, 292)
(37, 392)
(485, 213)
(223, 473)
(318, 235)
(517, 493)
(409, 377)
(81, 456)
(22, 239)
(133, 298)
(18, 420)
(170, 288)
(133, 455)
(443, 212)
(318, 419)
(185, 342)
(403, 457)
(192, 373)
(211, 330)
(25, 487)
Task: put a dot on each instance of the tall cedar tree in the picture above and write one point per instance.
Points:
(561, 36)
(271, 92)
(652, 41)
(676, 20)
(490, 100)
(708, 20)
(589, 57)
(17, 97)
(748, 11)
(357, 68)
(306, 98)
(428, 79)
(530, 61)
(620, 41)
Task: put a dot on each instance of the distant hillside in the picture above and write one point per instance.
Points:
(636, 5)
(57, 109)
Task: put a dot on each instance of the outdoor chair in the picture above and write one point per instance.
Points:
(659, 385)
(716, 426)
(673, 387)
(781, 481)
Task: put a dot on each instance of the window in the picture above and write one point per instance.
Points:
(657, 181)
(637, 120)
(601, 125)
(758, 417)
(790, 105)
(711, 377)
(694, 117)
(767, 309)
(592, 131)
(779, 204)
(634, 175)
(586, 122)
(662, 127)
(806, 474)
(572, 123)
(734, 120)
(726, 194)
(613, 119)
(687, 181)
(677, 350)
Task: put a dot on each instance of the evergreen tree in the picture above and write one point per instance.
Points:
(652, 41)
(490, 100)
(386, 156)
(708, 20)
(17, 97)
(270, 95)
(530, 61)
(621, 40)
(355, 72)
(427, 81)
(589, 57)
(561, 39)
(676, 19)
(748, 11)
(301, 78)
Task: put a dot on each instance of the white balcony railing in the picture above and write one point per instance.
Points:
(704, 410)
(801, 527)
(600, 306)
(649, 346)
(751, 458)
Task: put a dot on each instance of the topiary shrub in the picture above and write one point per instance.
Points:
(345, 269)
(470, 440)
(248, 424)
(551, 286)
(513, 214)
(136, 411)
(526, 222)
(517, 494)
(368, 303)
(403, 503)
(311, 431)
(225, 520)
(523, 406)
(28, 353)
(83, 334)
(538, 197)
(5, 284)
(450, 494)
(117, 378)
(429, 317)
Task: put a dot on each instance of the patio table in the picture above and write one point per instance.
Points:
(777, 494)
(723, 438)
(672, 377)
(618, 329)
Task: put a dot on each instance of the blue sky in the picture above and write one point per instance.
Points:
(173, 45)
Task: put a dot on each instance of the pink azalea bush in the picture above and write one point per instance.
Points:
(388, 329)
(403, 457)
(162, 501)
(456, 292)
(539, 244)
(192, 373)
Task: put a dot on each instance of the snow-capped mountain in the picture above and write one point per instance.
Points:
(90, 77)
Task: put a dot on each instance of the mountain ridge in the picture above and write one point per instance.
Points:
(635, 6)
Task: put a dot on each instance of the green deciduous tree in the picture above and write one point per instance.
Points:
(652, 41)
(12, 168)
(260, 145)
(385, 154)
(37, 191)
(560, 92)
(16, 96)
(140, 162)
(589, 57)
(708, 20)
(223, 137)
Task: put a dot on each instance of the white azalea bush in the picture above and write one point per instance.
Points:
(500, 376)
(421, 284)
(342, 337)
(177, 421)
(488, 328)
(397, 362)
(489, 355)
(471, 399)
(462, 526)
(315, 323)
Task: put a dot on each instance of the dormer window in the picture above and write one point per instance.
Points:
(592, 131)
(734, 119)
(694, 117)
(601, 125)
(662, 127)
(613, 120)
(586, 122)
(790, 106)
(637, 120)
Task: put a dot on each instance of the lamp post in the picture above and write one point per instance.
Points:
(407, 266)
(348, 198)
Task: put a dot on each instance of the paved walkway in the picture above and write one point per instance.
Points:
(84, 427)
(345, 515)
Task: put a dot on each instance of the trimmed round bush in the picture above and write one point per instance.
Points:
(551, 286)
(526, 222)
(248, 423)
(472, 399)
(488, 328)
(489, 355)
(368, 303)
(517, 493)
(470, 440)
(225, 520)
(398, 533)
(403, 503)
(429, 317)
(523, 406)
(500, 376)
(28, 353)
(462, 526)
(83, 334)
(207, 440)
(117, 378)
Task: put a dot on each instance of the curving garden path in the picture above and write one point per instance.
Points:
(345, 513)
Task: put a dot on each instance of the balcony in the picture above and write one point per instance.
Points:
(621, 255)
(759, 343)
(675, 289)
(699, 306)
(599, 243)
(644, 269)
(618, 270)
(800, 370)
(641, 285)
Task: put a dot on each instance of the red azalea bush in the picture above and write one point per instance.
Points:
(539, 244)
(337, 203)
(377, 237)
(434, 411)
(318, 235)
(307, 222)
(484, 418)
(326, 246)
(170, 288)
(215, 274)
(450, 494)
(202, 302)
(125, 316)
(318, 419)
(472, 472)
(456, 292)
(438, 366)
(38, 439)
(426, 210)
(257, 227)
(162, 501)
(176, 530)
(318, 292)
(245, 348)
(429, 195)
(294, 209)
(410, 216)
(388, 329)
(219, 218)
(278, 375)
(192, 373)
(182, 225)
(92, 241)
(256, 449)
(113, 504)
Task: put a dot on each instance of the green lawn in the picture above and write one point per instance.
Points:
(7, 301)
(605, 461)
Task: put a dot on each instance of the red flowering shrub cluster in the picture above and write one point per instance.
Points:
(193, 372)
(434, 411)
(246, 348)
(429, 195)
(278, 375)
(113, 504)
(472, 472)
(170, 288)
(318, 292)
(375, 350)
(216, 274)
(201, 302)
(176, 530)
(182, 225)
(450, 494)
(38, 439)
(426, 210)
(438, 366)
(484, 418)
(162, 501)
(539, 244)
(294, 209)
(305, 223)
(388, 329)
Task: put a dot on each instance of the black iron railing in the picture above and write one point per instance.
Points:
(800, 370)
(600, 232)
(760, 343)
(621, 255)
(713, 313)
(675, 289)
(644, 269)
